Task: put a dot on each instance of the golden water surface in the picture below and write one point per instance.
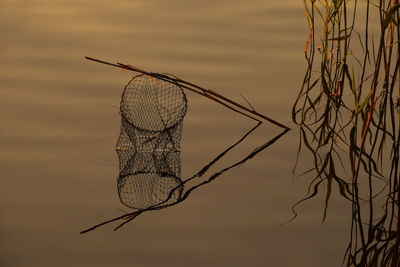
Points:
(59, 123)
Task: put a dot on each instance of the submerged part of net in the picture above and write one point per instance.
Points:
(148, 147)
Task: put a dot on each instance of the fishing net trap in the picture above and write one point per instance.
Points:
(148, 146)
(152, 110)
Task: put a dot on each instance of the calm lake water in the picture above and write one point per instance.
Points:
(59, 125)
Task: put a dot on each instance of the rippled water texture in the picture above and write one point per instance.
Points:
(59, 124)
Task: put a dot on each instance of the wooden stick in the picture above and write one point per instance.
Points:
(199, 90)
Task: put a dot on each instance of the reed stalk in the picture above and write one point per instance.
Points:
(349, 101)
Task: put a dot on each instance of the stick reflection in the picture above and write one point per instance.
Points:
(167, 202)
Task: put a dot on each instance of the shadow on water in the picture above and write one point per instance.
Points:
(152, 110)
(347, 112)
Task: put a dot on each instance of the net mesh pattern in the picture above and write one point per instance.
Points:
(148, 147)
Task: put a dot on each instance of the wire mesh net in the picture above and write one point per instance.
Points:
(148, 147)
(152, 109)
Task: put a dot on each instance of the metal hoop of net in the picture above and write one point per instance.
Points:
(148, 147)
